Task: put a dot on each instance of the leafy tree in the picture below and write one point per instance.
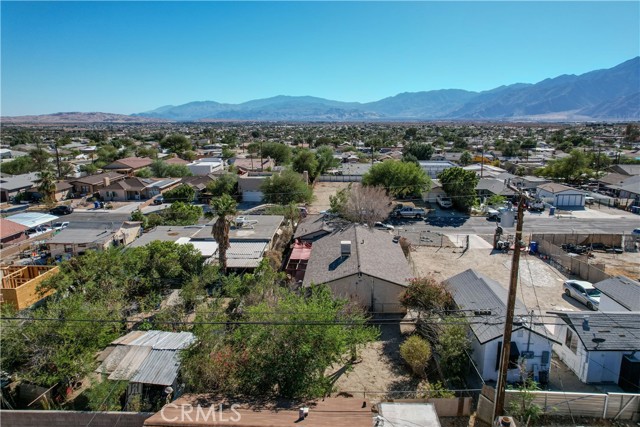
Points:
(144, 173)
(576, 167)
(632, 133)
(225, 184)
(18, 166)
(287, 187)
(421, 151)
(461, 185)
(105, 395)
(224, 207)
(182, 193)
(137, 215)
(288, 360)
(452, 346)
(89, 168)
(512, 149)
(326, 161)
(176, 143)
(338, 202)
(410, 134)
(465, 158)
(496, 200)
(277, 151)
(150, 152)
(522, 407)
(108, 153)
(161, 169)
(426, 294)
(305, 160)
(180, 213)
(398, 178)
(416, 352)
(410, 158)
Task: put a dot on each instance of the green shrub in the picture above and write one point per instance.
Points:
(416, 352)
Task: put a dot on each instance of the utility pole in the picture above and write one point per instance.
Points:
(508, 326)
(482, 161)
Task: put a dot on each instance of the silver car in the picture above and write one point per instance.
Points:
(584, 292)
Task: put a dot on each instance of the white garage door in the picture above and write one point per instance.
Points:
(569, 200)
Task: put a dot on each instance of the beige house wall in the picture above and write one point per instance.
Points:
(371, 292)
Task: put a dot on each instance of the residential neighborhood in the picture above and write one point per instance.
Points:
(184, 267)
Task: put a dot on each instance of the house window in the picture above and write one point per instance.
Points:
(571, 341)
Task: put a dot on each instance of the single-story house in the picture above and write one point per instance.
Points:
(199, 184)
(436, 190)
(253, 164)
(92, 183)
(11, 232)
(560, 196)
(601, 347)
(148, 360)
(485, 171)
(176, 161)
(11, 185)
(249, 186)
(137, 189)
(434, 167)
(63, 191)
(363, 264)
(527, 182)
(129, 165)
(80, 237)
(483, 301)
(625, 169)
(312, 227)
(206, 166)
(619, 293)
(488, 187)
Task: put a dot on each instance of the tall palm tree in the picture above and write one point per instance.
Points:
(47, 184)
(225, 208)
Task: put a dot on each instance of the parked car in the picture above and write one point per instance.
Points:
(383, 226)
(536, 206)
(444, 202)
(411, 213)
(158, 200)
(61, 210)
(589, 200)
(57, 226)
(584, 292)
(636, 232)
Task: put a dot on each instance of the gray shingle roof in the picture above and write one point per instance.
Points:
(311, 225)
(373, 253)
(611, 331)
(622, 290)
(474, 291)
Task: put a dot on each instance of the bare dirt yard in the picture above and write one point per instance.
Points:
(627, 263)
(539, 284)
(321, 192)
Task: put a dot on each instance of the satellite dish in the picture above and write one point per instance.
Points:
(598, 340)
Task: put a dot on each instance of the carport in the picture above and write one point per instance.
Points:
(32, 219)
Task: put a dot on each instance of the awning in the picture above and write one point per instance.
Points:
(32, 219)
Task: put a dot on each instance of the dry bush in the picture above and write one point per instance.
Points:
(367, 205)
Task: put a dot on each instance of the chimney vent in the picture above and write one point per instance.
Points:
(345, 248)
(106, 181)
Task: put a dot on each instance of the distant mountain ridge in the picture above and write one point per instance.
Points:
(608, 94)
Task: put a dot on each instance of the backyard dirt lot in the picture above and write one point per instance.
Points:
(627, 263)
(321, 192)
(539, 285)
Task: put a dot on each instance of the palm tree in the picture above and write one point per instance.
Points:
(225, 208)
(47, 184)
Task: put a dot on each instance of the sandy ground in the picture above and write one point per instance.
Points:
(627, 263)
(380, 370)
(321, 192)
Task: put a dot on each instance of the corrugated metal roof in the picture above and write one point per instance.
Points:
(161, 340)
(206, 247)
(160, 368)
(32, 219)
(126, 339)
(130, 363)
(246, 250)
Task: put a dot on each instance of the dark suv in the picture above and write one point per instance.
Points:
(61, 210)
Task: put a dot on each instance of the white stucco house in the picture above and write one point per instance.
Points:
(483, 301)
(601, 347)
(560, 195)
(206, 166)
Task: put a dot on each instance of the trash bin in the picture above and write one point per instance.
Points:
(96, 204)
(533, 247)
(552, 210)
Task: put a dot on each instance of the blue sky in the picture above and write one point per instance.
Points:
(128, 57)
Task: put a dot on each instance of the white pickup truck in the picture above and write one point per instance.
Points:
(444, 202)
(410, 212)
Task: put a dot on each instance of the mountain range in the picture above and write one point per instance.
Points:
(610, 94)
